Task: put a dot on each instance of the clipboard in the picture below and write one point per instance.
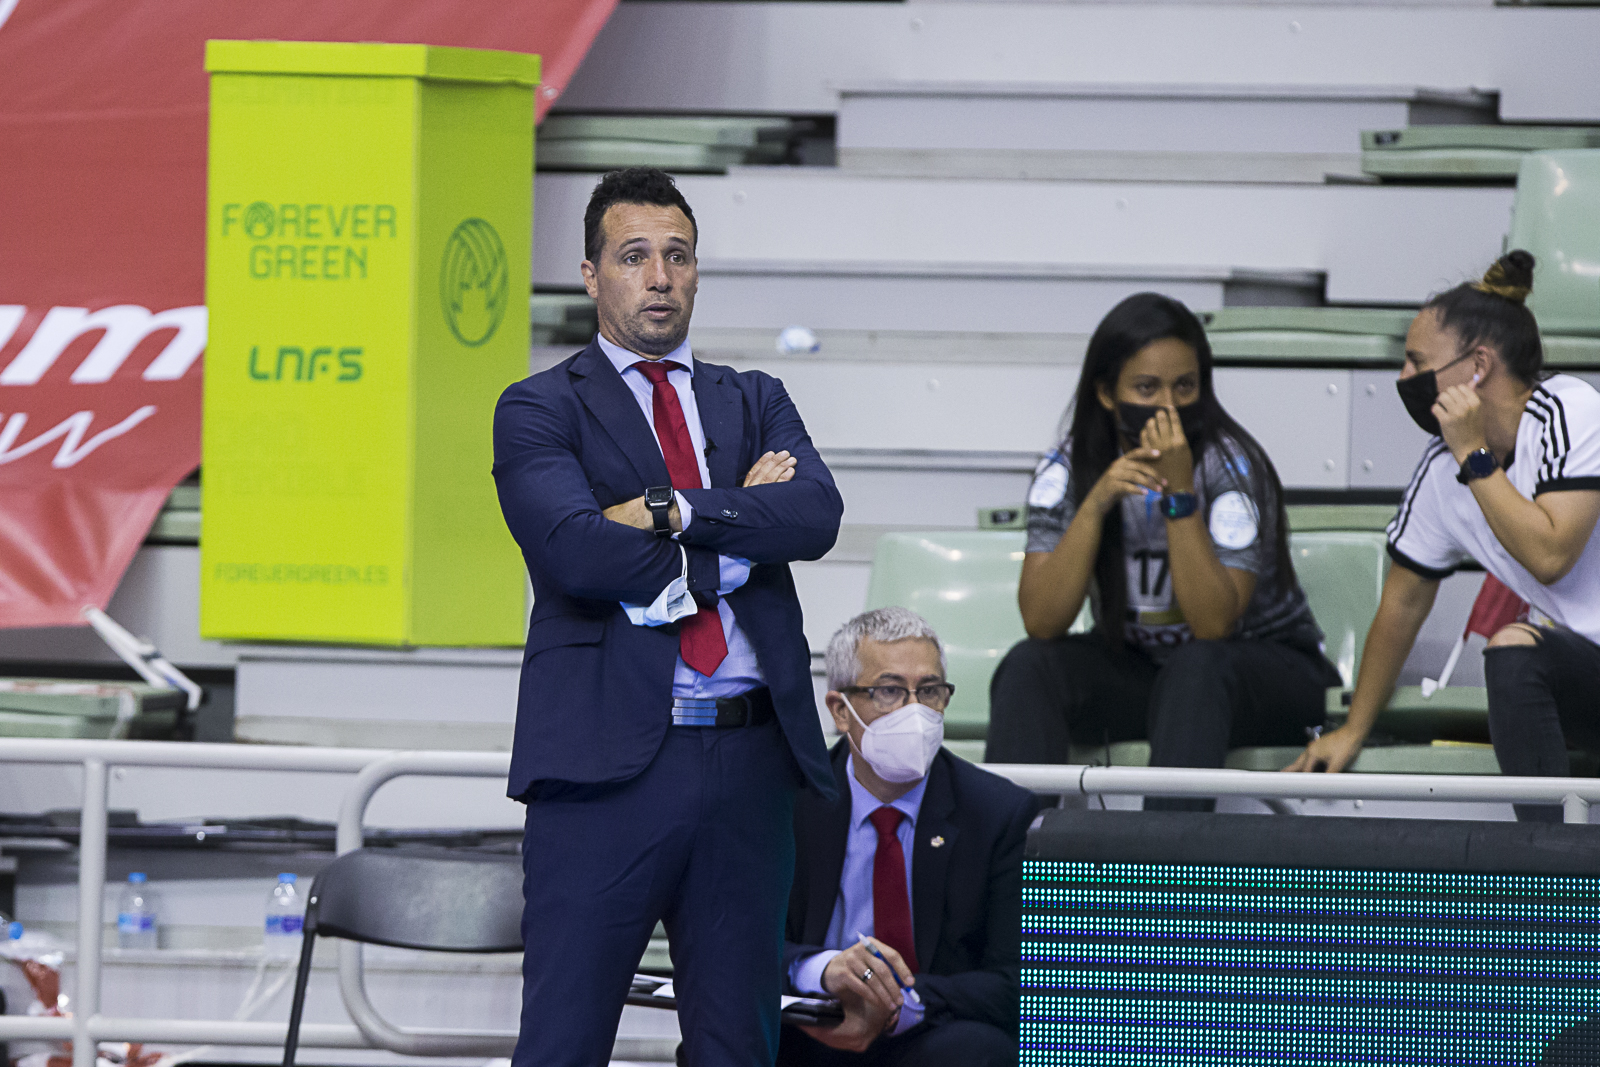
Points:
(650, 991)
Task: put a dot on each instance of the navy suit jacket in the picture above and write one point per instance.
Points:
(966, 894)
(596, 692)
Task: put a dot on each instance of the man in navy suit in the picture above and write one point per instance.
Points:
(912, 877)
(666, 719)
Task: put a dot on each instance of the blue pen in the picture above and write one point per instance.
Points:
(911, 994)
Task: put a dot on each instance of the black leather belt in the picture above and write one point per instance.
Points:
(747, 709)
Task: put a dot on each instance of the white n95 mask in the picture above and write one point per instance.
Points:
(674, 602)
(900, 746)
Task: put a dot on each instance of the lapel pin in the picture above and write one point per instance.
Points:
(937, 842)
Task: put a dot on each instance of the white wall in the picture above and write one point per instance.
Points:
(787, 57)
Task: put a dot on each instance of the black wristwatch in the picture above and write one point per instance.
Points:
(658, 498)
(1479, 464)
(1179, 505)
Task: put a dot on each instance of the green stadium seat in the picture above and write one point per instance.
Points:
(1306, 518)
(1342, 573)
(1464, 153)
(1352, 336)
(1557, 217)
(73, 708)
(965, 584)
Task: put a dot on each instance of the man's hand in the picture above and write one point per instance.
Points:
(1163, 434)
(1459, 410)
(868, 994)
(771, 467)
(634, 513)
(1332, 752)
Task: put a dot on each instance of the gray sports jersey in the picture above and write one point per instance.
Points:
(1244, 531)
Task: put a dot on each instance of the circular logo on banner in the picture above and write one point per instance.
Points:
(259, 220)
(472, 282)
(1233, 521)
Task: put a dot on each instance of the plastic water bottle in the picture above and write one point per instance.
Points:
(136, 914)
(286, 911)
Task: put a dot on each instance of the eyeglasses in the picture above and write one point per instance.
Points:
(889, 697)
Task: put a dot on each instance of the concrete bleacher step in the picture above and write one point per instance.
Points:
(685, 144)
(1465, 152)
(1154, 132)
(562, 319)
(178, 522)
(1434, 758)
(831, 219)
(1000, 400)
(852, 294)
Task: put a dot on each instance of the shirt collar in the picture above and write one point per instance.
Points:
(622, 359)
(863, 803)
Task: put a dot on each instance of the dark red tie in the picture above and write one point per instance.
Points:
(700, 639)
(891, 905)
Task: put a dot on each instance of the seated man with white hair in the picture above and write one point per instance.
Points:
(907, 899)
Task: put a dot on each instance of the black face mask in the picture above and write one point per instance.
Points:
(1132, 417)
(1419, 393)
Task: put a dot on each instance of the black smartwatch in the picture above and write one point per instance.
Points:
(1479, 464)
(658, 498)
(1179, 505)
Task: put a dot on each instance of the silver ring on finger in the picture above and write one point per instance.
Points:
(866, 975)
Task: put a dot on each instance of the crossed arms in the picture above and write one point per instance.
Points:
(551, 510)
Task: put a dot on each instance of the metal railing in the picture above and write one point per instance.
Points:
(372, 768)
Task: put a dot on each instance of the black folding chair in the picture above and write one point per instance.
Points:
(443, 903)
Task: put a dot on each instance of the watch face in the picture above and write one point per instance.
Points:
(1481, 463)
(658, 497)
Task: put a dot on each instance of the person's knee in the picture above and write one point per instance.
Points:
(1199, 662)
(969, 1043)
(1515, 655)
(1518, 634)
(1031, 653)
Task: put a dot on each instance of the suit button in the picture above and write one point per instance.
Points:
(728, 513)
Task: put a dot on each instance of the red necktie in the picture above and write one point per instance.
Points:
(891, 905)
(700, 639)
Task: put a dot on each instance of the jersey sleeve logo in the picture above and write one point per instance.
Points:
(1049, 487)
(1233, 521)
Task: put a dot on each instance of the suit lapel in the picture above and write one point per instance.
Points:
(822, 854)
(721, 407)
(930, 864)
(609, 399)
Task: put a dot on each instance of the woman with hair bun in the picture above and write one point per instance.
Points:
(1168, 517)
(1511, 480)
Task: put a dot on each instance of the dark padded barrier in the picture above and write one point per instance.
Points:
(1344, 843)
(1174, 939)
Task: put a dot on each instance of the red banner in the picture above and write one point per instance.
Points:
(102, 250)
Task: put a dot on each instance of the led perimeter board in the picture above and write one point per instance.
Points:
(1170, 939)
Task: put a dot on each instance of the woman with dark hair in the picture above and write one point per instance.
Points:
(1511, 480)
(1168, 516)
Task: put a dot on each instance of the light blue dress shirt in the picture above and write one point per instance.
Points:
(739, 672)
(852, 911)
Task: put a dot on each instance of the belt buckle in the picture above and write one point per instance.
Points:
(694, 711)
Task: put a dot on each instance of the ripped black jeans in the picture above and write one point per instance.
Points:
(1543, 699)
